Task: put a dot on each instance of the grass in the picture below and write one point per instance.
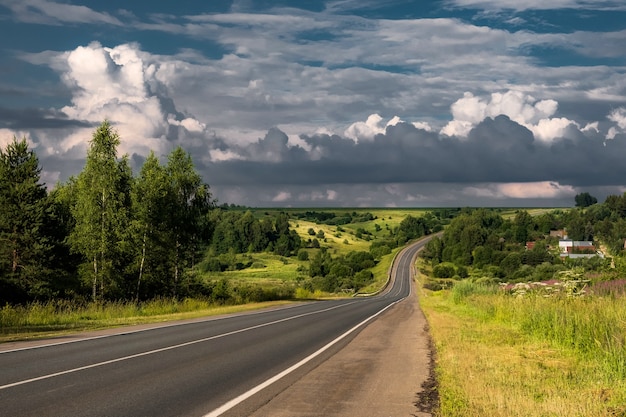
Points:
(41, 320)
(339, 240)
(267, 268)
(499, 355)
(335, 240)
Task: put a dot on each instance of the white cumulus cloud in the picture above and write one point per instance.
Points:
(120, 84)
(375, 125)
(536, 115)
(619, 117)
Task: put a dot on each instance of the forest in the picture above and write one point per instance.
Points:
(107, 234)
(482, 244)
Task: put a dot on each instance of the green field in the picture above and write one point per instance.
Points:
(339, 240)
(504, 356)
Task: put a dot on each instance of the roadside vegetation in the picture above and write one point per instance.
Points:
(520, 330)
(108, 246)
(502, 355)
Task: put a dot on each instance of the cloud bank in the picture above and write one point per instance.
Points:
(326, 106)
(501, 146)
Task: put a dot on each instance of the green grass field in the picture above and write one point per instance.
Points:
(339, 240)
(504, 356)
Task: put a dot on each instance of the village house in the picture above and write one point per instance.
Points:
(578, 249)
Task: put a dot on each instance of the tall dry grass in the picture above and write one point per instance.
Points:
(54, 317)
(499, 355)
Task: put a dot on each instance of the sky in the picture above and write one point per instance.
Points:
(330, 103)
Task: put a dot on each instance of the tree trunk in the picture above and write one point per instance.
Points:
(143, 258)
(176, 268)
(94, 285)
(15, 257)
(103, 241)
(15, 260)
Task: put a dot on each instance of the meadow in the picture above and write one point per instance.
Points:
(530, 355)
(269, 270)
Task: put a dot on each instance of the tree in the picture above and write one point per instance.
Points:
(511, 263)
(101, 209)
(413, 227)
(191, 200)
(522, 224)
(150, 197)
(585, 200)
(23, 204)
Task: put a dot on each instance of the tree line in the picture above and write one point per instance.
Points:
(494, 247)
(108, 235)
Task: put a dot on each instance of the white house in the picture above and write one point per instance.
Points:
(578, 249)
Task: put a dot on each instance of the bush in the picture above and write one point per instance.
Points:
(212, 265)
(303, 255)
(380, 251)
(437, 284)
(444, 270)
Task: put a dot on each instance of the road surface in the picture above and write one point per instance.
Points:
(230, 365)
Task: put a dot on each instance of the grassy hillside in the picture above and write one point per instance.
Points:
(271, 270)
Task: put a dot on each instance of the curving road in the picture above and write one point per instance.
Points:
(221, 366)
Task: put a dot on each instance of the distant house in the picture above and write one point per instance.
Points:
(561, 234)
(578, 249)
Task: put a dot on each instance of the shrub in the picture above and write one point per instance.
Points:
(444, 270)
(303, 255)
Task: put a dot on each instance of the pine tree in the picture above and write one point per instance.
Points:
(22, 217)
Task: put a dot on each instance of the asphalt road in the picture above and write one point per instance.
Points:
(222, 366)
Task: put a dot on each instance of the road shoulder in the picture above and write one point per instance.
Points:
(384, 371)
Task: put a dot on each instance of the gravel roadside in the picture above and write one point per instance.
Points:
(386, 370)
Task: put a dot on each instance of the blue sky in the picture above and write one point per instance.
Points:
(403, 103)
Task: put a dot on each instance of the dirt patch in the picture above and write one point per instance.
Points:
(428, 398)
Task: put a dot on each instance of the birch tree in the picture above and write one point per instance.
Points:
(100, 209)
(191, 199)
(151, 199)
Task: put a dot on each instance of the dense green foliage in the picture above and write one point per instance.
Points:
(28, 232)
(494, 247)
(109, 235)
(585, 200)
(332, 218)
(104, 234)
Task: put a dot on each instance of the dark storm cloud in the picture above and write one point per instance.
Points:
(497, 150)
(18, 119)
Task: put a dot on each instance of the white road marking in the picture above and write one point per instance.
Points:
(235, 401)
(125, 331)
(151, 352)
